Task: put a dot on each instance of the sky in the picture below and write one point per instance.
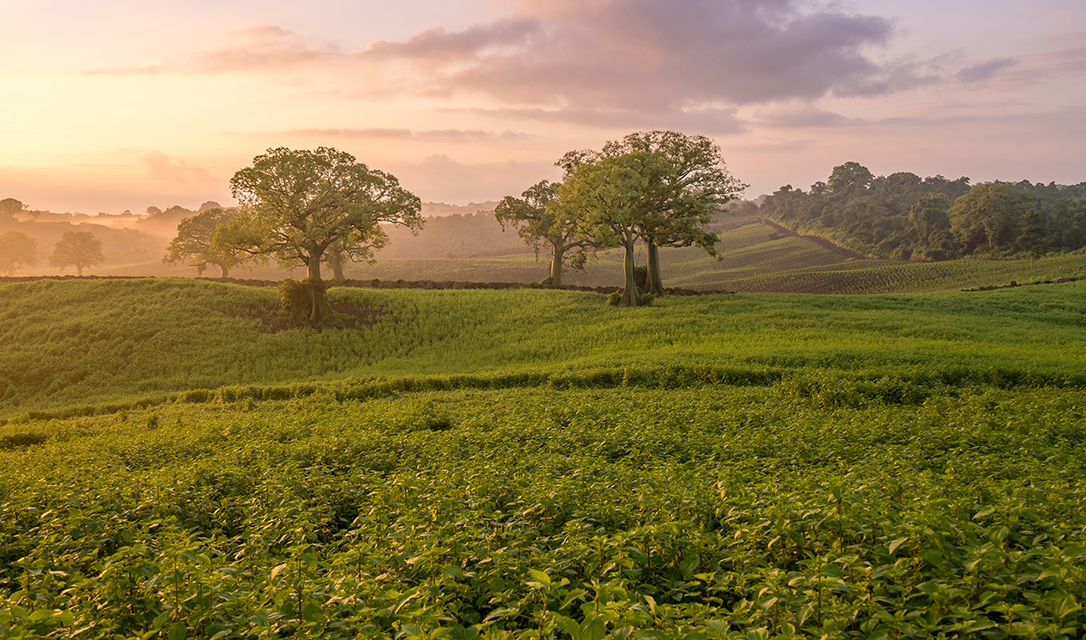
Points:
(120, 105)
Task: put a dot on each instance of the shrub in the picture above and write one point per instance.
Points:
(294, 295)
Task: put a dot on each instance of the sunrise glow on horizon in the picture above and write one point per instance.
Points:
(121, 105)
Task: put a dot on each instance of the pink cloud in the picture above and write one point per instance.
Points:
(648, 56)
(160, 167)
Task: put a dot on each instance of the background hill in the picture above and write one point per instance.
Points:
(465, 243)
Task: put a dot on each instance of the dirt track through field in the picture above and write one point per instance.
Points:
(839, 250)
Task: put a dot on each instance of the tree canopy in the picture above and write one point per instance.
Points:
(698, 186)
(80, 249)
(663, 187)
(614, 196)
(539, 221)
(989, 215)
(299, 203)
(903, 216)
(195, 244)
(9, 207)
(17, 250)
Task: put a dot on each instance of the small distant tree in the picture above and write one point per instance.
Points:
(539, 223)
(299, 203)
(9, 207)
(1034, 235)
(17, 249)
(194, 243)
(78, 248)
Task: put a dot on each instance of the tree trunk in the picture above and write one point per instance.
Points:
(654, 283)
(79, 270)
(556, 266)
(223, 271)
(319, 307)
(630, 297)
(336, 260)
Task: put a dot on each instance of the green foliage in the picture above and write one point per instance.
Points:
(300, 204)
(641, 276)
(508, 464)
(17, 250)
(80, 249)
(87, 346)
(901, 216)
(695, 511)
(195, 242)
(296, 297)
(540, 223)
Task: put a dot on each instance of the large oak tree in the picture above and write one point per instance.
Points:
(699, 186)
(9, 207)
(539, 221)
(299, 203)
(612, 197)
(989, 215)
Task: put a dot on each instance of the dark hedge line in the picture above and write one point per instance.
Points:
(386, 284)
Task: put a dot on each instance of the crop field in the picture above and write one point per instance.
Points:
(180, 460)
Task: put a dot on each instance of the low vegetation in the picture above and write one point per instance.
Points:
(183, 459)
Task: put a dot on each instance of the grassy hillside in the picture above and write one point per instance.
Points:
(176, 461)
(754, 258)
(69, 343)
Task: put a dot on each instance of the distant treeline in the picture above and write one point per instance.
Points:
(904, 216)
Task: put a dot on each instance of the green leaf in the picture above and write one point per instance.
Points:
(40, 615)
(501, 613)
(593, 629)
(312, 612)
(688, 566)
(896, 543)
(541, 578)
(178, 631)
(161, 620)
(1074, 551)
(570, 626)
(934, 556)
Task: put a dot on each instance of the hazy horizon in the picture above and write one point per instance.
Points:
(122, 105)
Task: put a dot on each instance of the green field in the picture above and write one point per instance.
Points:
(179, 460)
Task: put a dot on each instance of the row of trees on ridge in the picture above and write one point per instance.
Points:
(903, 216)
